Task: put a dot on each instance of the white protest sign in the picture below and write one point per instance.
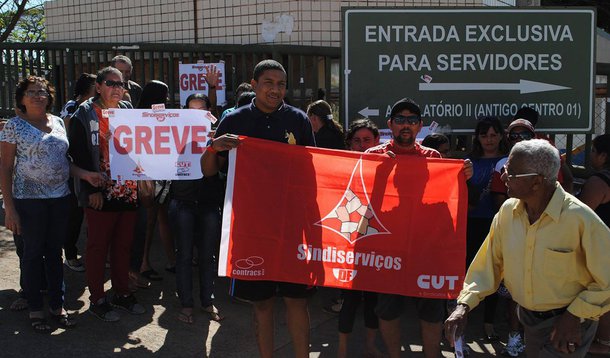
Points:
(164, 144)
(192, 80)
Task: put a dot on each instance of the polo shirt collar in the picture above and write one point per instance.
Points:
(258, 112)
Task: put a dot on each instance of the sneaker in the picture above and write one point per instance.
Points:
(127, 303)
(103, 310)
(74, 265)
(515, 345)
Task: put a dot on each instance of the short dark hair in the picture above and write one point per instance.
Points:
(201, 96)
(121, 58)
(154, 92)
(245, 98)
(527, 113)
(601, 143)
(243, 87)
(266, 65)
(435, 140)
(408, 104)
(82, 85)
(357, 125)
(23, 86)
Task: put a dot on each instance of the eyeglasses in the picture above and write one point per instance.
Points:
(514, 176)
(520, 135)
(111, 83)
(40, 93)
(399, 119)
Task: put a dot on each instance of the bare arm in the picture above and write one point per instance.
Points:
(212, 80)
(211, 162)
(7, 163)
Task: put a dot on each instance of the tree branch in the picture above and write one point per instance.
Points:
(11, 25)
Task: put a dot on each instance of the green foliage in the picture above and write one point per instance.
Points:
(30, 26)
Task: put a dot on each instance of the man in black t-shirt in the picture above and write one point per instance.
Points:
(267, 117)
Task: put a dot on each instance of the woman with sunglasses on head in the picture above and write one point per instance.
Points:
(111, 209)
(488, 147)
(328, 133)
(34, 171)
(596, 194)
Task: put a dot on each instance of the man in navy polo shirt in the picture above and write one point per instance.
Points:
(267, 117)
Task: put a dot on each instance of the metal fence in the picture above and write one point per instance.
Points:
(308, 69)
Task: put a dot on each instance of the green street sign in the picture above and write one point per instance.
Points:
(462, 64)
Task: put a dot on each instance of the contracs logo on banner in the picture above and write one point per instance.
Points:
(353, 219)
(183, 168)
(249, 267)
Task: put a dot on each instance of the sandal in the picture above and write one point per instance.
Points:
(186, 317)
(39, 324)
(151, 275)
(213, 313)
(63, 320)
(19, 304)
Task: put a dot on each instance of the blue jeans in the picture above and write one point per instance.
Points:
(195, 225)
(44, 223)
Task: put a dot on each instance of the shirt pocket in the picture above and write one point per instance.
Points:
(559, 262)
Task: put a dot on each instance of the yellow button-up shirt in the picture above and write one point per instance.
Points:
(562, 259)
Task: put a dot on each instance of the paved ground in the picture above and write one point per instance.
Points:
(159, 333)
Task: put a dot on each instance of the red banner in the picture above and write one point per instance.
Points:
(344, 219)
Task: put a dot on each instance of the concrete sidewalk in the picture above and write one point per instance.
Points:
(159, 333)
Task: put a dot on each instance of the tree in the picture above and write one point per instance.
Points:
(10, 13)
(22, 21)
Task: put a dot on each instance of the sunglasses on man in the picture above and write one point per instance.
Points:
(115, 84)
(400, 119)
(520, 135)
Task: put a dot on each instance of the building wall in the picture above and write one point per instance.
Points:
(310, 23)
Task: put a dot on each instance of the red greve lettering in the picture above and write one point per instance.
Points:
(180, 142)
(192, 81)
(143, 137)
(119, 132)
(143, 140)
(199, 136)
(161, 137)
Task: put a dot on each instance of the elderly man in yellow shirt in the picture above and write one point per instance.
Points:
(553, 254)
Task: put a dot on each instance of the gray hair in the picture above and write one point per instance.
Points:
(539, 156)
(121, 58)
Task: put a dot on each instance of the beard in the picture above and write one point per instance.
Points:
(404, 141)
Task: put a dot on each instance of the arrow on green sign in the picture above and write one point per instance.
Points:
(524, 86)
(366, 112)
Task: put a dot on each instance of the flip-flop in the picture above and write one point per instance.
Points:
(151, 275)
(19, 304)
(63, 320)
(40, 325)
(186, 317)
